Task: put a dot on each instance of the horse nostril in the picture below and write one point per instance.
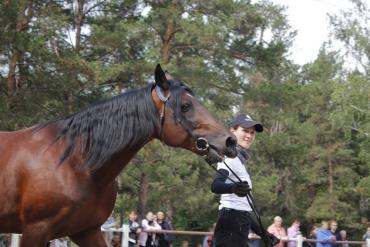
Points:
(202, 144)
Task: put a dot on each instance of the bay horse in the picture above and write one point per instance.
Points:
(58, 178)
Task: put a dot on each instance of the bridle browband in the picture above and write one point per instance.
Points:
(201, 143)
(160, 95)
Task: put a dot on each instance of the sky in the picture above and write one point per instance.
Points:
(309, 18)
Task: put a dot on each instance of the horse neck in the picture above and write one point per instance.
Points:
(137, 129)
(112, 168)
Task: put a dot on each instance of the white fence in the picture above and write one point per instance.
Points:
(125, 237)
(299, 239)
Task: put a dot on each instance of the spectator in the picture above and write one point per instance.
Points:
(334, 230)
(278, 230)
(343, 237)
(116, 241)
(134, 228)
(164, 240)
(313, 232)
(209, 241)
(293, 232)
(367, 234)
(312, 235)
(148, 239)
(59, 242)
(4, 240)
(108, 225)
(324, 234)
(185, 243)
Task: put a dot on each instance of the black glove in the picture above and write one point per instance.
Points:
(241, 188)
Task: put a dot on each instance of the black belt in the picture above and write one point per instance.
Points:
(231, 210)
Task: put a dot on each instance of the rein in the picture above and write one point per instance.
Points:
(251, 202)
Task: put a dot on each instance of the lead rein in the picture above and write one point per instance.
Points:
(250, 201)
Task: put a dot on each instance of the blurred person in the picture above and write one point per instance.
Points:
(367, 234)
(334, 230)
(277, 229)
(5, 239)
(148, 239)
(134, 229)
(324, 234)
(109, 224)
(293, 232)
(59, 242)
(343, 237)
(312, 235)
(313, 232)
(116, 241)
(208, 241)
(185, 243)
(164, 240)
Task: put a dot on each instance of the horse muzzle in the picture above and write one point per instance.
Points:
(210, 152)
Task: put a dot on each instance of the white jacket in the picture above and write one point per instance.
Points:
(144, 235)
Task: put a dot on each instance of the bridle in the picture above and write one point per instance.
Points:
(201, 143)
(164, 99)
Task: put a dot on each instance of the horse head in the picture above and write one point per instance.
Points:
(185, 123)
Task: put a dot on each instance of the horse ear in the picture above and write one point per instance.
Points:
(160, 78)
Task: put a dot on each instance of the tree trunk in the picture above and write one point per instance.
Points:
(261, 35)
(330, 176)
(23, 20)
(79, 22)
(11, 82)
(166, 48)
(143, 194)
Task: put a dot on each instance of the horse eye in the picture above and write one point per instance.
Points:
(185, 107)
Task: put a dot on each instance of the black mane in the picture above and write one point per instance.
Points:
(110, 126)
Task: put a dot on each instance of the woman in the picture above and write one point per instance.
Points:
(293, 232)
(278, 230)
(149, 223)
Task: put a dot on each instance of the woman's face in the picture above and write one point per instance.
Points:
(278, 221)
(149, 216)
(245, 136)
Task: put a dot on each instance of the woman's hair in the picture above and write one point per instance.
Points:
(278, 218)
